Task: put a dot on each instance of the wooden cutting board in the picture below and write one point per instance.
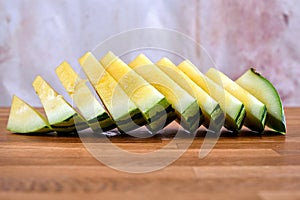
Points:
(247, 166)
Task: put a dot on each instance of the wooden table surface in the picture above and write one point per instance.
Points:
(247, 166)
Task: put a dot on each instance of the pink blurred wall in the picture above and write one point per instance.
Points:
(36, 36)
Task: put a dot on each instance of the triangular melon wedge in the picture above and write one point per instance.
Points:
(233, 108)
(256, 111)
(83, 98)
(149, 100)
(263, 90)
(185, 106)
(213, 115)
(122, 110)
(61, 116)
(25, 119)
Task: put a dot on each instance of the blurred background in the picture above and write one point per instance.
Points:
(37, 35)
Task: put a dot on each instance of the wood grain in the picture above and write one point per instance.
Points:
(247, 166)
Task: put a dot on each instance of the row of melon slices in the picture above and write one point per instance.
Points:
(143, 93)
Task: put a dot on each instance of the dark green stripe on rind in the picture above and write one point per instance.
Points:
(42, 130)
(102, 116)
(237, 123)
(104, 120)
(131, 121)
(156, 111)
(68, 125)
(65, 126)
(264, 116)
(240, 118)
(81, 125)
(256, 124)
(65, 129)
(96, 126)
(67, 122)
(216, 119)
(192, 117)
(137, 118)
(159, 123)
(276, 124)
(105, 124)
(159, 115)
